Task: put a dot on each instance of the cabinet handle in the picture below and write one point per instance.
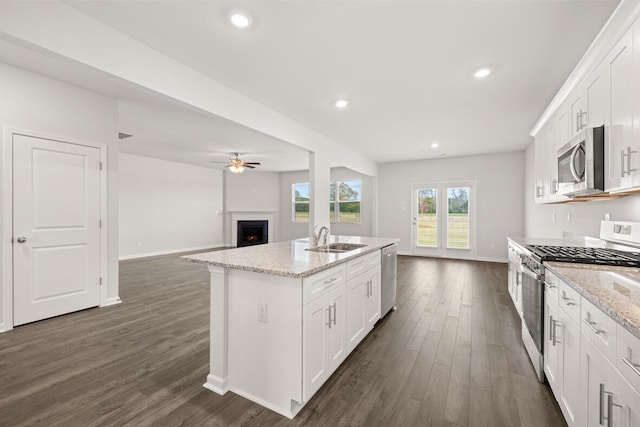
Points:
(629, 153)
(578, 121)
(629, 362)
(555, 324)
(329, 314)
(551, 330)
(334, 313)
(610, 406)
(601, 417)
(581, 115)
(622, 169)
(328, 281)
(549, 285)
(592, 326)
(567, 300)
(370, 288)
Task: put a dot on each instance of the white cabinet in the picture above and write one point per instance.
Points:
(515, 276)
(577, 119)
(620, 157)
(562, 349)
(610, 400)
(323, 337)
(551, 346)
(595, 98)
(363, 298)
(570, 396)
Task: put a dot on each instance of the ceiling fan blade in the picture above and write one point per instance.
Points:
(249, 166)
(220, 162)
(251, 163)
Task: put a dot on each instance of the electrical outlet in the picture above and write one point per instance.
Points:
(263, 312)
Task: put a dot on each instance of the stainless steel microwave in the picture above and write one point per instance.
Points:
(581, 164)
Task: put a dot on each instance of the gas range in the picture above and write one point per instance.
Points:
(584, 255)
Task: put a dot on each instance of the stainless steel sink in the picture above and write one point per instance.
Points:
(337, 247)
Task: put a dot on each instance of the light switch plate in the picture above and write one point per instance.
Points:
(263, 312)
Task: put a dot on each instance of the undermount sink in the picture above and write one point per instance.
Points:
(337, 247)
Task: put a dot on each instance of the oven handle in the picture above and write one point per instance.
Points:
(526, 270)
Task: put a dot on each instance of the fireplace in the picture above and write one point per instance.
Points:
(253, 233)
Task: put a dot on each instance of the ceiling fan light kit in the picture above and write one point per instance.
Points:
(236, 165)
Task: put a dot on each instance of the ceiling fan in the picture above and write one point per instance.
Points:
(236, 165)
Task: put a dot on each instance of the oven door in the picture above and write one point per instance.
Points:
(533, 304)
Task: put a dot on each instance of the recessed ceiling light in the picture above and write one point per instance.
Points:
(435, 145)
(240, 20)
(342, 103)
(482, 73)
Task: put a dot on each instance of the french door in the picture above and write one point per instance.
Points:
(443, 219)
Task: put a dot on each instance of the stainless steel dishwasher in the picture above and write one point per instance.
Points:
(389, 278)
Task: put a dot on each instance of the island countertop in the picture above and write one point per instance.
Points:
(288, 258)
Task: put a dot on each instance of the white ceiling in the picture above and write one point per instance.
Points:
(405, 65)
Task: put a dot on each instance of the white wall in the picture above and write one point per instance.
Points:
(295, 230)
(585, 217)
(251, 191)
(500, 203)
(168, 207)
(32, 102)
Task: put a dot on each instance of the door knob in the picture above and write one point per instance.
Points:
(21, 239)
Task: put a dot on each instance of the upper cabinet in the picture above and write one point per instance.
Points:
(609, 95)
(618, 69)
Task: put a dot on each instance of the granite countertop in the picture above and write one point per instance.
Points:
(614, 290)
(289, 258)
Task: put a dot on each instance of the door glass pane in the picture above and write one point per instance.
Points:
(427, 217)
(458, 218)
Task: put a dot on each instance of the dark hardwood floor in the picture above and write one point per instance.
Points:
(451, 355)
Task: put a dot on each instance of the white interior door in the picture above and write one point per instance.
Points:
(443, 219)
(56, 228)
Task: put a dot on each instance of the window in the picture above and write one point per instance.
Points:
(344, 201)
(300, 202)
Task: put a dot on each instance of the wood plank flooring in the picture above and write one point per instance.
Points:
(451, 355)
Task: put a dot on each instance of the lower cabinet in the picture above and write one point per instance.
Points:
(580, 362)
(610, 400)
(363, 306)
(323, 343)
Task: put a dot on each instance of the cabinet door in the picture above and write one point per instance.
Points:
(540, 167)
(625, 405)
(577, 118)
(598, 381)
(571, 396)
(372, 301)
(336, 343)
(564, 129)
(595, 98)
(356, 295)
(618, 117)
(551, 348)
(314, 346)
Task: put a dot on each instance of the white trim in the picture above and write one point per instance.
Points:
(111, 301)
(284, 411)
(6, 233)
(236, 216)
(489, 259)
(216, 384)
(405, 253)
(169, 252)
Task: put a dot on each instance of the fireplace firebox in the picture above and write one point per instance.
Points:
(253, 233)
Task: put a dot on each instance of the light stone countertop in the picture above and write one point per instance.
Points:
(288, 258)
(614, 290)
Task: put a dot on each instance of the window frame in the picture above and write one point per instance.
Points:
(334, 217)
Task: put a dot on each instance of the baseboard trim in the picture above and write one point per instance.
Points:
(111, 301)
(216, 384)
(482, 259)
(169, 252)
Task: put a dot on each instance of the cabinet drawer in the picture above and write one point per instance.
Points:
(552, 284)
(599, 328)
(569, 301)
(316, 285)
(361, 264)
(628, 357)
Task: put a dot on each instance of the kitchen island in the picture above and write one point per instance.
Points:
(283, 318)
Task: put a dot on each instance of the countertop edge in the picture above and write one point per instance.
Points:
(357, 253)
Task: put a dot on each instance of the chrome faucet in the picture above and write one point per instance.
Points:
(316, 237)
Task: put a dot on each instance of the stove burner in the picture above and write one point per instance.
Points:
(583, 255)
